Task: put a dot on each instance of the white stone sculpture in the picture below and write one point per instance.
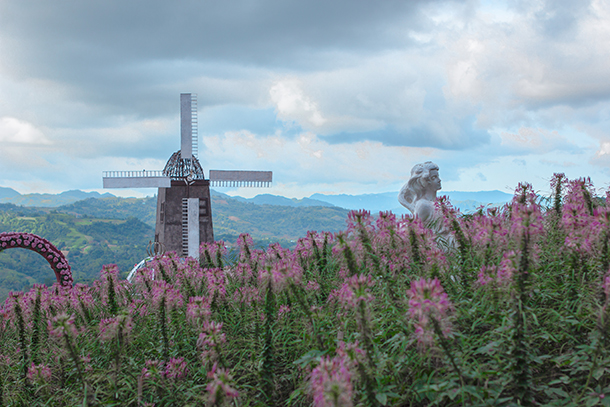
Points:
(419, 193)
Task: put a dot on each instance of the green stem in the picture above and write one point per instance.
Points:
(447, 349)
(268, 357)
(368, 346)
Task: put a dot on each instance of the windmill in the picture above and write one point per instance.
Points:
(184, 213)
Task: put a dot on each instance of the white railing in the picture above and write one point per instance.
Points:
(132, 174)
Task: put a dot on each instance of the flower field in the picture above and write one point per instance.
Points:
(507, 306)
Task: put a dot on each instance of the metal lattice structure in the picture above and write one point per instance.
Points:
(178, 168)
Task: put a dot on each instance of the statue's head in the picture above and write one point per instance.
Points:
(423, 178)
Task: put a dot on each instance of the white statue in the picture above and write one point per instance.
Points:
(419, 193)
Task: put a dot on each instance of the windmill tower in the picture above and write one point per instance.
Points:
(184, 212)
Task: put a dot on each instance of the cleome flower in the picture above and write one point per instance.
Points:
(39, 373)
(428, 301)
(331, 383)
(355, 289)
(117, 327)
(220, 388)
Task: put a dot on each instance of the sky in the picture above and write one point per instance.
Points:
(334, 97)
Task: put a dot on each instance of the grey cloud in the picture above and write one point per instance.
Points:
(457, 136)
(260, 32)
(558, 19)
(133, 57)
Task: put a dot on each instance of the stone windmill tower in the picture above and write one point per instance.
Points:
(184, 212)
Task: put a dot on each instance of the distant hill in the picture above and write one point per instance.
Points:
(88, 244)
(7, 193)
(388, 201)
(231, 216)
(115, 208)
(48, 200)
(268, 199)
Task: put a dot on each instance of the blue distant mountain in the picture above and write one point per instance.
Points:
(387, 201)
(268, 199)
(8, 193)
(47, 200)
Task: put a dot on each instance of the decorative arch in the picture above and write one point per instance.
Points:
(46, 249)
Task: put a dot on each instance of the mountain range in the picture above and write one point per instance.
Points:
(387, 201)
(9, 195)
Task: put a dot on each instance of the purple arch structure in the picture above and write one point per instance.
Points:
(30, 241)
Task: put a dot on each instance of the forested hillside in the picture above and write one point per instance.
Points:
(88, 244)
(98, 231)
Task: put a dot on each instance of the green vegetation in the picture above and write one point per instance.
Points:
(87, 243)
(272, 223)
(98, 231)
(511, 308)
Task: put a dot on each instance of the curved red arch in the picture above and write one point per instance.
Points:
(42, 246)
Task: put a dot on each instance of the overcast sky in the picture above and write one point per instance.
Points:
(341, 96)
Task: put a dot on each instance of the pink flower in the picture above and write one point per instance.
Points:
(526, 215)
(209, 253)
(312, 286)
(330, 383)
(217, 281)
(110, 328)
(355, 290)
(39, 373)
(62, 326)
(210, 340)
(176, 369)
(245, 243)
(197, 311)
(81, 297)
(427, 300)
(164, 292)
(284, 310)
(581, 226)
(219, 388)
(484, 276)
(507, 268)
(246, 295)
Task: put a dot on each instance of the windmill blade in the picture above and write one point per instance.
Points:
(135, 179)
(188, 125)
(222, 178)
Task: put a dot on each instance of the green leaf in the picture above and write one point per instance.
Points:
(599, 372)
(488, 349)
(556, 391)
(309, 357)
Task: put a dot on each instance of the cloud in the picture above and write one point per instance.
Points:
(16, 131)
(342, 93)
(527, 63)
(530, 140)
(293, 105)
(308, 159)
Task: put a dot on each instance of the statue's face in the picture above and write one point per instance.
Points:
(434, 180)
